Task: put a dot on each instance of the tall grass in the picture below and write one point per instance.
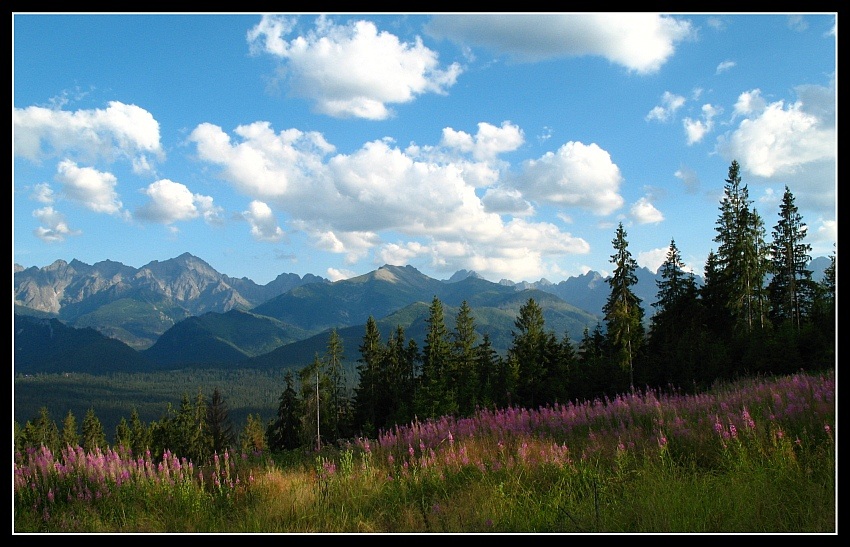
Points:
(757, 456)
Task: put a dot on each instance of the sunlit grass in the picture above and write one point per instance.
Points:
(753, 457)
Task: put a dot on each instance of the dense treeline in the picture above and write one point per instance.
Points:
(758, 313)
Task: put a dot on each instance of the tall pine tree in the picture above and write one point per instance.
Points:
(623, 311)
(742, 254)
(369, 377)
(436, 397)
(528, 351)
(282, 433)
(464, 339)
(791, 288)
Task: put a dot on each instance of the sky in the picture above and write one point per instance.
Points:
(509, 144)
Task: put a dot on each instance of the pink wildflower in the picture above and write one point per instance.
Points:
(748, 420)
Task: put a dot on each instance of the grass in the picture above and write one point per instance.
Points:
(753, 457)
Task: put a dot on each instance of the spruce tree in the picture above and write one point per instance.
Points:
(436, 397)
(742, 254)
(399, 368)
(491, 388)
(674, 327)
(42, 431)
(219, 426)
(141, 434)
(368, 382)
(528, 352)
(623, 311)
(70, 435)
(338, 401)
(93, 434)
(464, 339)
(791, 287)
(314, 394)
(252, 439)
(282, 433)
(123, 437)
(200, 441)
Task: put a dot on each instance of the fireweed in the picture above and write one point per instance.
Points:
(771, 424)
(45, 483)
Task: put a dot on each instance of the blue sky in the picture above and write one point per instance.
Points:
(331, 144)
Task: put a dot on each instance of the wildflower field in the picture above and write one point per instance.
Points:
(756, 456)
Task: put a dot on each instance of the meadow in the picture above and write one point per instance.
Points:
(754, 456)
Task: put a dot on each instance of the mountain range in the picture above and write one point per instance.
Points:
(179, 313)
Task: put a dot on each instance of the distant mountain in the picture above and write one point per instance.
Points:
(590, 291)
(48, 345)
(351, 301)
(182, 313)
(494, 315)
(216, 339)
(136, 306)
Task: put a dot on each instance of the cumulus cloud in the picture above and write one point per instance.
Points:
(335, 274)
(822, 235)
(119, 131)
(653, 259)
(641, 42)
(263, 223)
(644, 212)
(670, 103)
(696, 130)
(43, 193)
(506, 201)
(171, 202)
(724, 66)
(55, 227)
(420, 196)
(93, 189)
(780, 138)
(487, 143)
(352, 70)
(577, 175)
(263, 164)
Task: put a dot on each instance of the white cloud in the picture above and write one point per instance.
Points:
(355, 244)
(171, 202)
(644, 212)
(641, 42)
(822, 236)
(352, 70)
(749, 102)
(670, 103)
(263, 223)
(724, 66)
(119, 131)
(506, 201)
(696, 130)
(43, 193)
(93, 189)
(338, 275)
(56, 227)
(577, 175)
(351, 202)
(488, 142)
(776, 139)
(653, 259)
(264, 164)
